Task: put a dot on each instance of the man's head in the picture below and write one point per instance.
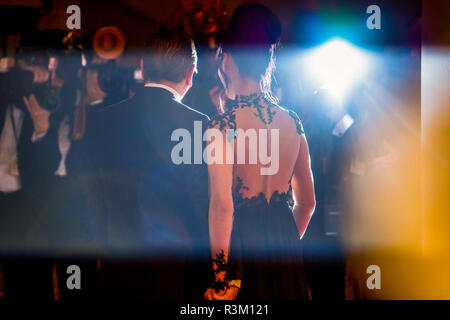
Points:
(171, 59)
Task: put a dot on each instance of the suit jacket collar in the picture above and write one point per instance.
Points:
(176, 95)
(151, 94)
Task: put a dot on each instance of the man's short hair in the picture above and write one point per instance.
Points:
(169, 55)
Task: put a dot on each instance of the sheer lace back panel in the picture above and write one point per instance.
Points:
(258, 180)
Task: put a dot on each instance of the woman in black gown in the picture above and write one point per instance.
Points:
(260, 205)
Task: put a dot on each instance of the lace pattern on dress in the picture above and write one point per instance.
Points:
(240, 201)
(223, 121)
(221, 279)
(257, 101)
(262, 107)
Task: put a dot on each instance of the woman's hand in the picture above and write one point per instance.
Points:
(227, 294)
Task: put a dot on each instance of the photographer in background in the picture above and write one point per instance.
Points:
(60, 82)
(43, 89)
(104, 81)
(13, 202)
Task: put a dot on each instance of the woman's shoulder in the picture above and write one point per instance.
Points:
(227, 119)
(289, 113)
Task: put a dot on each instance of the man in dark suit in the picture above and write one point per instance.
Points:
(157, 229)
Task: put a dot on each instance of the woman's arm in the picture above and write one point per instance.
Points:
(220, 208)
(303, 188)
(221, 198)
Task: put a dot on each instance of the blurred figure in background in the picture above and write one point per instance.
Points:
(54, 214)
(331, 137)
(43, 90)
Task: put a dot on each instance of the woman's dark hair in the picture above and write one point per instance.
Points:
(252, 36)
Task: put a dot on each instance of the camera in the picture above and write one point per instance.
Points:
(17, 83)
(43, 49)
(114, 79)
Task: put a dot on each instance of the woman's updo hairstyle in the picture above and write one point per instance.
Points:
(251, 38)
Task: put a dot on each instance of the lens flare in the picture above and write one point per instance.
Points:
(336, 64)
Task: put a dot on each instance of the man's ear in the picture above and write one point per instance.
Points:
(190, 76)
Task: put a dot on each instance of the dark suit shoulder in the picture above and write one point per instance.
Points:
(121, 106)
(195, 114)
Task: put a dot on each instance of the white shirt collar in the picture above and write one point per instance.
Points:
(163, 86)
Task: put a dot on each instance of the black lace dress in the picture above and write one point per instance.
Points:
(265, 248)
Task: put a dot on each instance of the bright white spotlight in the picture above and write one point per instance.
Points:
(336, 64)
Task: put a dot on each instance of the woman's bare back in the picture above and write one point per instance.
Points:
(266, 145)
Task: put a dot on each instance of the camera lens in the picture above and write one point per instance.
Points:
(109, 78)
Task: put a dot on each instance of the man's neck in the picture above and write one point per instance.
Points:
(175, 87)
